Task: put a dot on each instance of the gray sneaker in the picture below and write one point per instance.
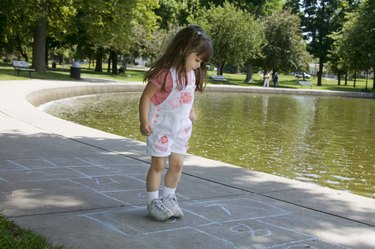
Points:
(171, 203)
(158, 210)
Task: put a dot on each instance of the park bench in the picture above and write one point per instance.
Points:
(218, 78)
(305, 83)
(22, 66)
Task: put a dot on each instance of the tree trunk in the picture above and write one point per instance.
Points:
(220, 69)
(114, 62)
(355, 77)
(46, 57)
(20, 49)
(99, 59)
(249, 73)
(320, 72)
(39, 47)
(61, 59)
(346, 77)
(339, 79)
(373, 81)
(109, 63)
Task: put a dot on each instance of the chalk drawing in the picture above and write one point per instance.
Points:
(242, 228)
(199, 210)
(17, 164)
(51, 163)
(301, 246)
(85, 161)
(221, 206)
(2, 179)
(106, 224)
(79, 172)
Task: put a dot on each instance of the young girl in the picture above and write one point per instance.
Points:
(166, 114)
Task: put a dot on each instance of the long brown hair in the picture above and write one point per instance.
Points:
(192, 39)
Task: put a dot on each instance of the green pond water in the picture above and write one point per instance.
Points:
(328, 141)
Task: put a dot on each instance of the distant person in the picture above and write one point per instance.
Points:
(166, 114)
(266, 80)
(275, 80)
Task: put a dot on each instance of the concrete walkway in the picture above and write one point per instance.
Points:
(84, 188)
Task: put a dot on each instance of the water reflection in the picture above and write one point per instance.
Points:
(329, 141)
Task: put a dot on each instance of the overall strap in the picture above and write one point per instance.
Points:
(174, 77)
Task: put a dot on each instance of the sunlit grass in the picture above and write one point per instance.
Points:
(7, 72)
(289, 81)
(136, 75)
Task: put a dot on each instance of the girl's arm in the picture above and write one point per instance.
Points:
(144, 105)
(192, 115)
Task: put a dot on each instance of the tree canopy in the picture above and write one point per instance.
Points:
(285, 49)
(354, 46)
(236, 35)
(255, 33)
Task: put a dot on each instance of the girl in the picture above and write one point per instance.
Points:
(166, 114)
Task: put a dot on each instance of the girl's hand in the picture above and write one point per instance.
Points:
(145, 129)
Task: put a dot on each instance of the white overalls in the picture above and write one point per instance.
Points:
(170, 122)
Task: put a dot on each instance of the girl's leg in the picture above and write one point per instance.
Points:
(154, 174)
(155, 206)
(171, 180)
(172, 177)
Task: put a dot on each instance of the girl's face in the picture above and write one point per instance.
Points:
(193, 61)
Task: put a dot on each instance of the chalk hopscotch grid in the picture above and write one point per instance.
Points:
(108, 219)
(97, 216)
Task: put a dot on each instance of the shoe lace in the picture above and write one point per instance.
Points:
(173, 200)
(159, 205)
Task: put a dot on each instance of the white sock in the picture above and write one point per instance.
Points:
(152, 196)
(168, 191)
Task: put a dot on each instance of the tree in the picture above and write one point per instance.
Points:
(26, 24)
(320, 19)
(108, 25)
(258, 8)
(285, 49)
(17, 26)
(235, 34)
(355, 43)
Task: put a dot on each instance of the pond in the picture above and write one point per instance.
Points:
(326, 140)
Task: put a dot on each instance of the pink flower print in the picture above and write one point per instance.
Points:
(185, 133)
(164, 139)
(185, 98)
(162, 143)
(175, 102)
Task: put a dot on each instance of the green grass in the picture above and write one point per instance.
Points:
(289, 81)
(285, 81)
(7, 72)
(14, 237)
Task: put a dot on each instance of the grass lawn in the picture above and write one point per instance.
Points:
(285, 81)
(14, 237)
(289, 81)
(7, 72)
